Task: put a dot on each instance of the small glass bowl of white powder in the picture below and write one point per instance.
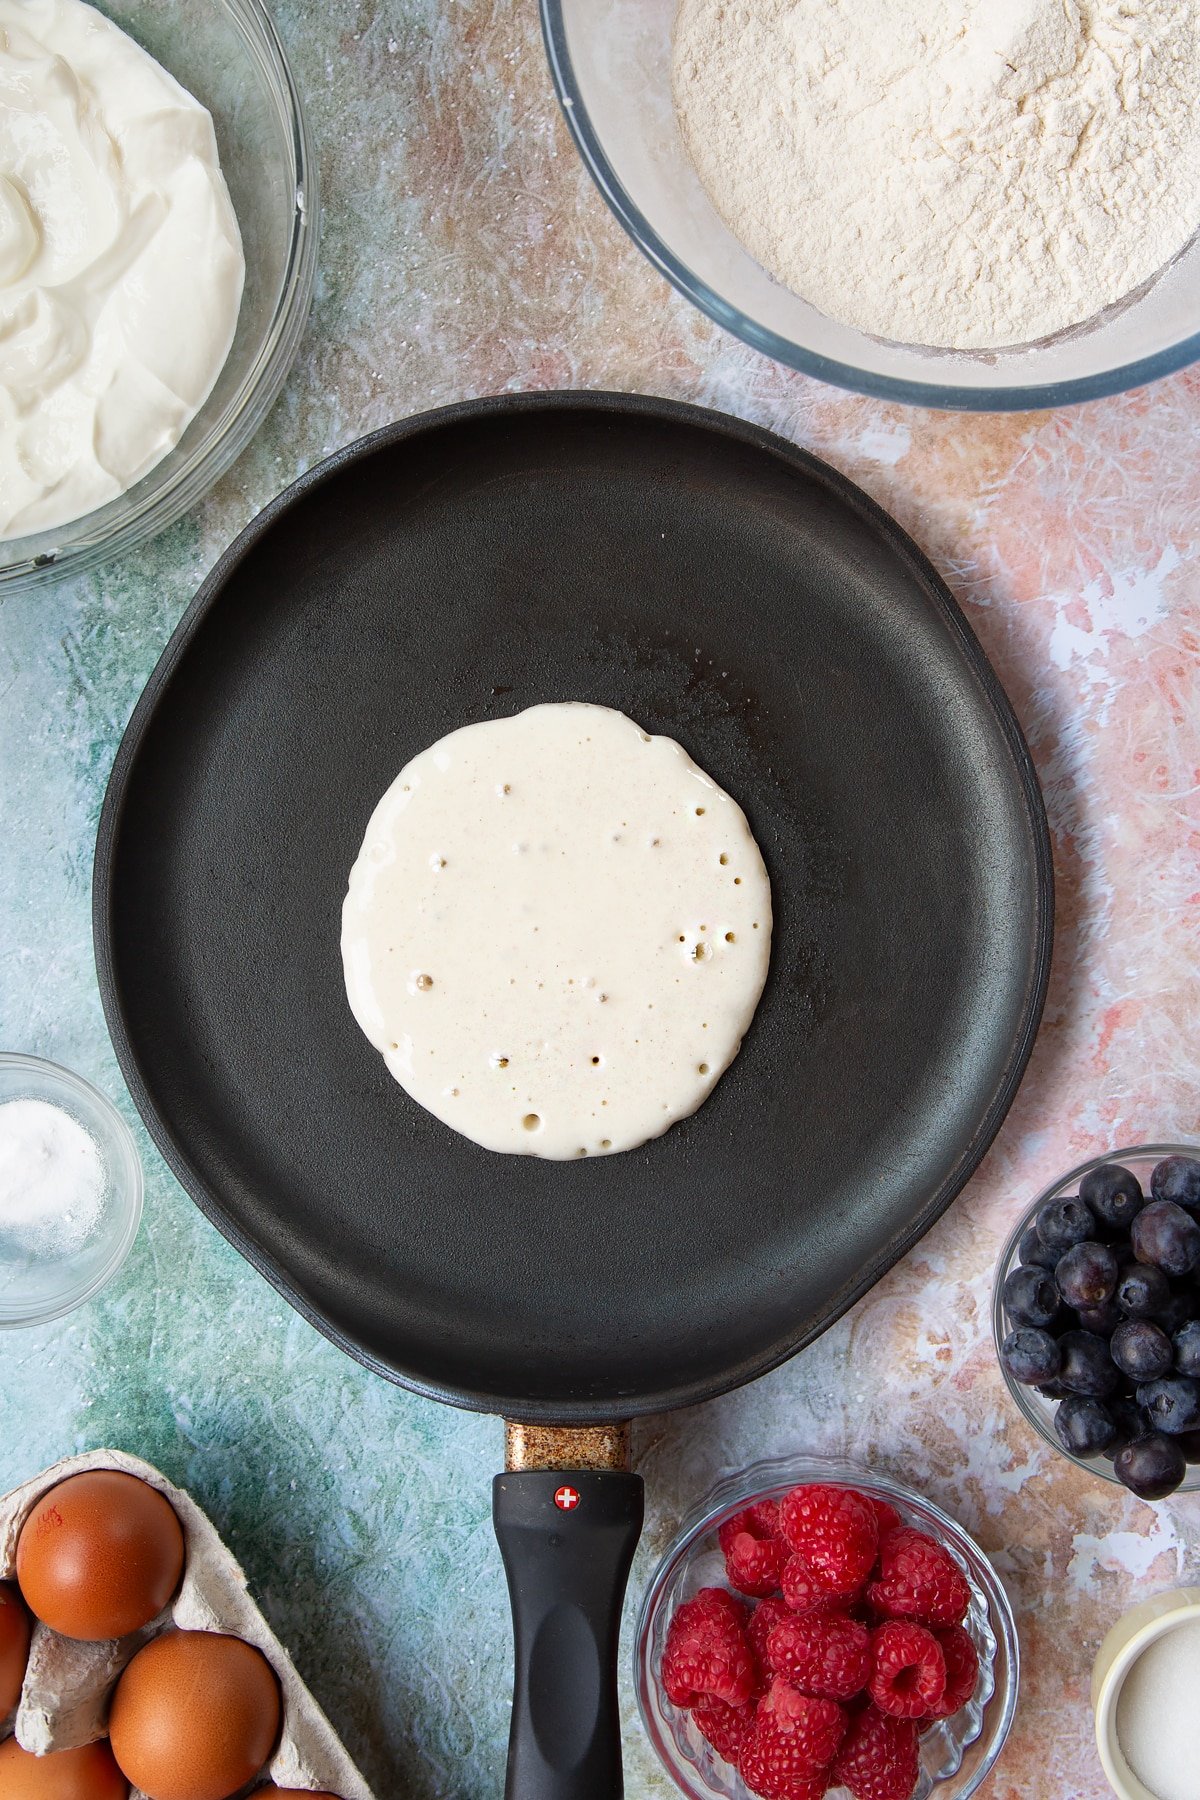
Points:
(1144, 1686)
(70, 1191)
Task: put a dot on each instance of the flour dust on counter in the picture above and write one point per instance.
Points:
(964, 174)
(557, 931)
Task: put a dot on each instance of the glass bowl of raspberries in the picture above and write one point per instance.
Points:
(1096, 1312)
(818, 1629)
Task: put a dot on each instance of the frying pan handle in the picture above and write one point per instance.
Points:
(567, 1537)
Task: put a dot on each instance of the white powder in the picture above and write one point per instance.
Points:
(1156, 1715)
(52, 1180)
(964, 173)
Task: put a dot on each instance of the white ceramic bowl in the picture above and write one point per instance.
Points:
(1129, 1637)
(34, 1290)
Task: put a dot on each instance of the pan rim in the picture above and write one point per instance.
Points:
(608, 1406)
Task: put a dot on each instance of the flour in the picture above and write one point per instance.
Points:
(52, 1181)
(963, 173)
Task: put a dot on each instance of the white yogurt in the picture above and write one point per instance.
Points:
(121, 265)
(556, 932)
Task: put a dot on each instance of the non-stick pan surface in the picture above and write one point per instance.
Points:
(724, 588)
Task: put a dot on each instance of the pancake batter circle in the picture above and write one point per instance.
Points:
(557, 931)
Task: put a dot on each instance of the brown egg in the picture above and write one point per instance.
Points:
(14, 1646)
(195, 1716)
(100, 1555)
(87, 1774)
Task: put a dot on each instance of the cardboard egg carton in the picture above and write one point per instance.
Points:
(68, 1684)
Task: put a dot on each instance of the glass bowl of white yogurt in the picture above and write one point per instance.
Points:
(227, 56)
(611, 61)
(70, 1190)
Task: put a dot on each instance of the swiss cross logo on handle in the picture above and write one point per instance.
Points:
(566, 1499)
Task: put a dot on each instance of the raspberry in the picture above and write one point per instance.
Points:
(707, 1652)
(726, 1727)
(717, 1603)
(918, 1580)
(792, 1742)
(909, 1679)
(761, 1520)
(962, 1671)
(754, 1551)
(805, 1591)
(813, 1727)
(886, 1517)
(763, 1619)
(774, 1781)
(834, 1530)
(826, 1653)
(879, 1758)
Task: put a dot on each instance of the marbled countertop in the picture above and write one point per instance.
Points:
(465, 252)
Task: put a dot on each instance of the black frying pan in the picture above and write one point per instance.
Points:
(724, 588)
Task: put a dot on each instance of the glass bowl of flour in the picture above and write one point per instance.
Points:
(227, 55)
(70, 1191)
(974, 207)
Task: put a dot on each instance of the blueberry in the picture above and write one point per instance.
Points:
(1087, 1368)
(1173, 1404)
(1086, 1275)
(1030, 1296)
(1142, 1290)
(1083, 1426)
(1167, 1236)
(1189, 1443)
(1114, 1195)
(1187, 1348)
(1151, 1467)
(1103, 1320)
(1052, 1390)
(1032, 1250)
(1030, 1355)
(1061, 1223)
(1177, 1178)
(1141, 1350)
(1129, 1421)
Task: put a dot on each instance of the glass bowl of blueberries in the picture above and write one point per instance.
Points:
(1096, 1312)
